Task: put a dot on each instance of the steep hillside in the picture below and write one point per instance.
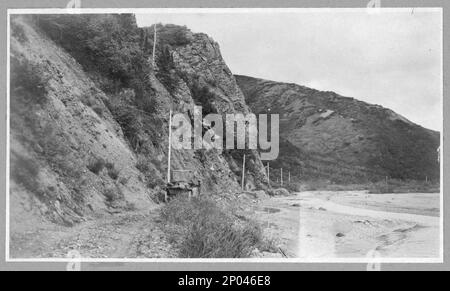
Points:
(325, 135)
(89, 116)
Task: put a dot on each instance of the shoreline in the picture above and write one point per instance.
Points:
(352, 224)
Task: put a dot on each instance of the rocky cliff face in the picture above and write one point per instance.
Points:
(325, 135)
(89, 116)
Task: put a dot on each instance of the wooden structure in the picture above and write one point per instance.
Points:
(182, 184)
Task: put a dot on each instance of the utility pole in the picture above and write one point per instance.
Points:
(268, 173)
(281, 176)
(154, 46)
(243, 173)
(170, 150)
(289, 177)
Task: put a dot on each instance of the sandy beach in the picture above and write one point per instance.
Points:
(351, 224)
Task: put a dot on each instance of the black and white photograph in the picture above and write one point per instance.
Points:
(277, 135)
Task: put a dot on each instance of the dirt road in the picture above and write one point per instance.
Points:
(124, 235)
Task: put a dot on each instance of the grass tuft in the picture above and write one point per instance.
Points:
(202, 229)
(112, 171)
(96, 165)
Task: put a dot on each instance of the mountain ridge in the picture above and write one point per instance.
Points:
(353, 132)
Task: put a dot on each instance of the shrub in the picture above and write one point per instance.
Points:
(28, 81)
(88, 100)
(147, 104)
(206, 231)
(136, 125)
(66, 166)
(96, 165)
(25, 172)
(165, 64)
(97, 109)
(112, 194)
(152, 177)
(110, 47)
(112, 171)
(124, 181)
(157, 163)
(131, 123)
(203, 97)
(143, 165)
(381, 189)
(18, 32)
(108, 44)
(173, 35)
(152, 183)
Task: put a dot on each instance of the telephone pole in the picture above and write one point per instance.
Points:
(281, 176)
(154, 45)
(243, 173)
(170, 151)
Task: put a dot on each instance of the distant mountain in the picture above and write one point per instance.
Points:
(328, 136)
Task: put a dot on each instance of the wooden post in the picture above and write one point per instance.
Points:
(281, 176)
(170, 150)
(154, 46)
(243, 173)
(268, 173)
(289, 177)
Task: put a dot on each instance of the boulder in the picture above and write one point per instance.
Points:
(278, 192)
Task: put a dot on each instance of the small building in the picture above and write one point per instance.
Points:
(182, 184)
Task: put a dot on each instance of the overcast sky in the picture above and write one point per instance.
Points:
(392, 58)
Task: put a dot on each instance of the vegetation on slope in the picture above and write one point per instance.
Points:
(202, 229)
(329, 137)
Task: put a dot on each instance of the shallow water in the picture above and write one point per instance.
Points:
(331, 230)
(328, 225)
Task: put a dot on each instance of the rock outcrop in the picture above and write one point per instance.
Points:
(89, 116)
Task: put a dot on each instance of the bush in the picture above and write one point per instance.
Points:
(147, 104)
(292, 187)
(25, 172)
(173, 35)
(131, 123)
(203, 97)
(404, 186)
(165, 64)
(99, 110)
(109, 44)
(112, 171)
(152, 176)
(112, 194)
(28, 81)
(136, 125)
(18, 32)
(152, 183)
(88, 100)
(204, 230)
(143, 165)
(96, 165)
